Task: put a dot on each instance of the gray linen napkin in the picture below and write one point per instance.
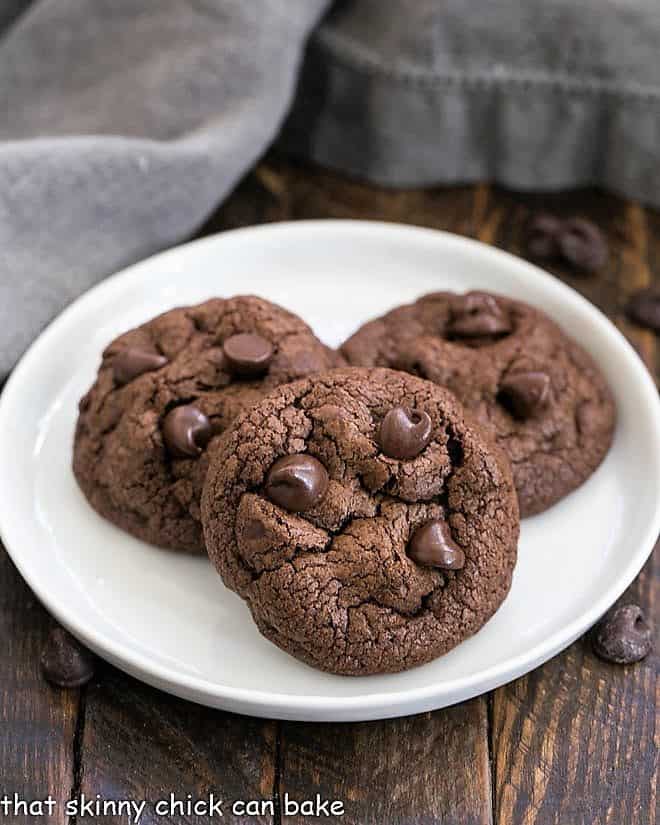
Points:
(123, 124)
(543, 94)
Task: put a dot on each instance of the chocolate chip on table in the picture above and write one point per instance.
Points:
(623, 636)
(644, 308)
(65, 662)
(130, 362)
(432, 545)
(577, 241)
(186, 431)
(477, 315)
(582, 244)
(247, 354)
(404, 433)
(542, 234)
(524, 394)
(297, 482)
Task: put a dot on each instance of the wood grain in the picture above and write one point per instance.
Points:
(37, 722)
(576, 740)
(431, 768)
(141, 744)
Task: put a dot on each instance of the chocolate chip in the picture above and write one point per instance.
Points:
(582, 244)
(297, 482)
(65, 662)
(130, 362)
(186, 431)
(478, 315)
(644, 308)
(623, 636)
(248, 354)
(432, 546)
(524, 394)
(254, 530)
(542, 235)
(404, 432)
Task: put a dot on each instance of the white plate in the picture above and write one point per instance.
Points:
(168, 620)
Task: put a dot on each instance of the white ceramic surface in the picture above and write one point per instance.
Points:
(168, 620)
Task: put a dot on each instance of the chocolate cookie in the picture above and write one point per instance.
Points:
(165, 392)
(537, 392)
(368, 524)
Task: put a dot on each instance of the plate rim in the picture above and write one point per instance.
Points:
(293, 706)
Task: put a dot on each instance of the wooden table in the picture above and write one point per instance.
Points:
(571, 743)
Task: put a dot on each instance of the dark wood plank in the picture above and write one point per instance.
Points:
(431, 768)
(37, 722)
(141, 744)
(573, 742)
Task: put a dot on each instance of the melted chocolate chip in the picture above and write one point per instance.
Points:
(644, 308)
(130, 362)
(65, 662)
(542, 236)
(404, 433)
(524, 394)
(248, 354)
(186, 431)
(432, 546)
(297, 482)
(582, 244)
(478, 315)
(623, 636)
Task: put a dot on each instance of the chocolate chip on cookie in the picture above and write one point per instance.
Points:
(186, 431)
(404, 433)
(164, 394)
(477, 315)
(534, 389)
(248, 354)
(296, 482)
(433, 546)
(130, 362)
(525, 393)
(351, 558)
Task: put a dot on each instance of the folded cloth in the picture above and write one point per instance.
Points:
(543, 95)
(124, 124)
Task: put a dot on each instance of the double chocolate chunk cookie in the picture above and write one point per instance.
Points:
(165, 392)
(535, 390)
(366, 521)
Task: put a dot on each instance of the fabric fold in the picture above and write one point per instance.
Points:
(123, 126)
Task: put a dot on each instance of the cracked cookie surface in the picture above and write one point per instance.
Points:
(350, 559)
(164, 394)
(537, 391)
